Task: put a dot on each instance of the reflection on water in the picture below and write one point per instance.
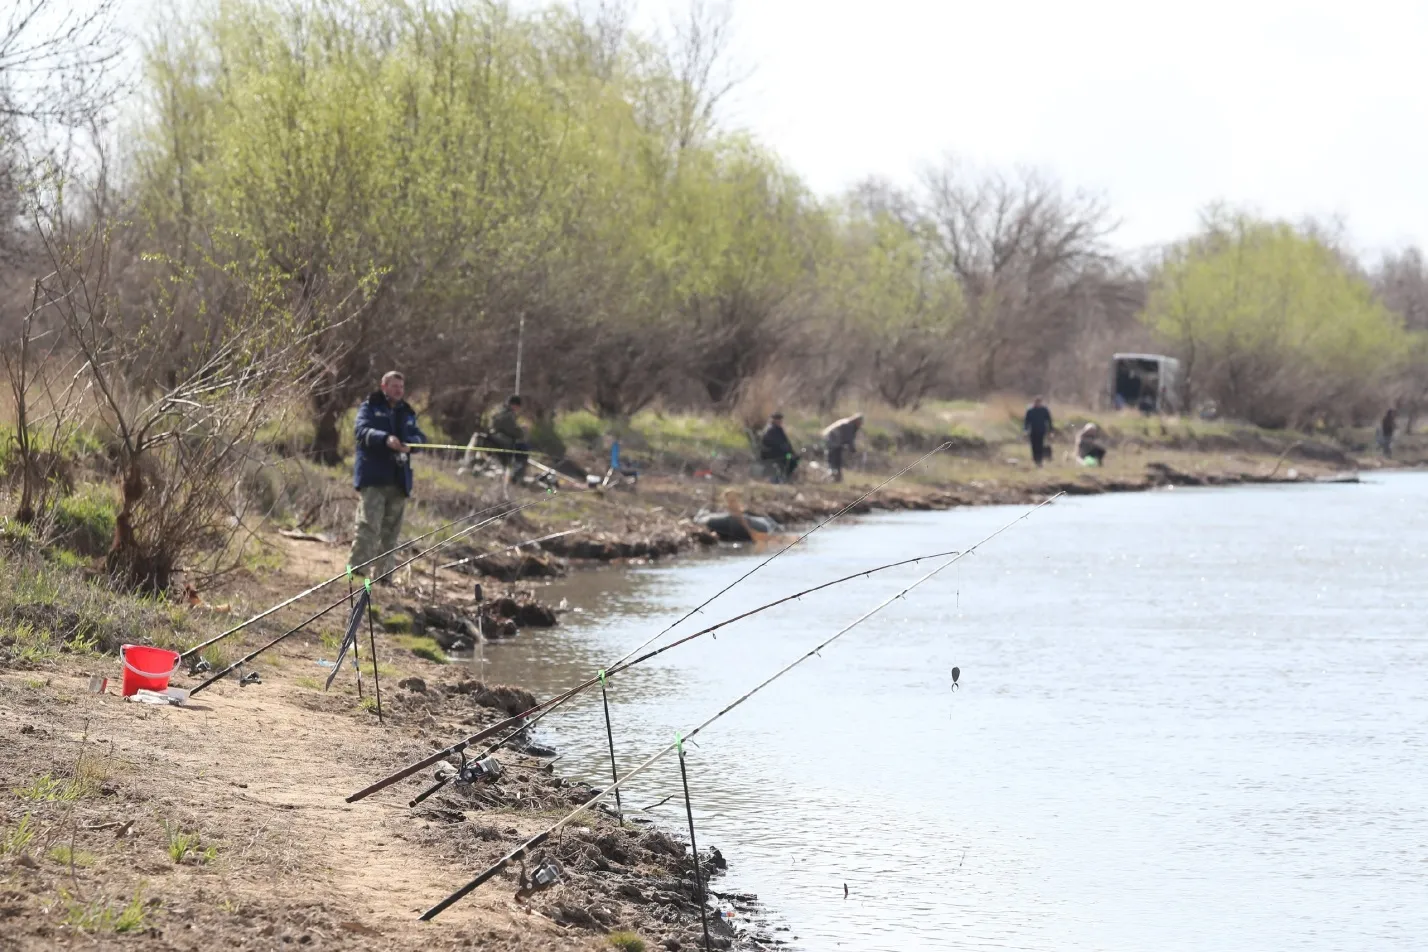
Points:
(1188, 720)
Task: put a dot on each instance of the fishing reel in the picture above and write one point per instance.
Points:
(486, 769)
(546, 875)
(470, 771)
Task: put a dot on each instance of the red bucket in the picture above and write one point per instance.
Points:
(146, 668)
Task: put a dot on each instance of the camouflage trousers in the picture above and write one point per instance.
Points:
(378, 527)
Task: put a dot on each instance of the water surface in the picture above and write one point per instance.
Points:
(1188, 720)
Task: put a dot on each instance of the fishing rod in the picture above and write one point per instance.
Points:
(318, 614)
(510, 548)
(619, 663)
(540, 710)
(678, 743)
(549, 471)
(476, 449)
(460, 748)
(336, 578)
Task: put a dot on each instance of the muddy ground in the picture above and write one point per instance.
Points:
(222, 823)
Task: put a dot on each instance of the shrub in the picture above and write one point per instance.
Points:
(397, 623)
(84, 521)
(625, 942)
(425, 648)
(580, 426)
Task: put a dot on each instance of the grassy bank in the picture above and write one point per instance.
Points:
(125, 822)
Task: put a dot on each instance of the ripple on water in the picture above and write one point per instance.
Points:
(1188, 720)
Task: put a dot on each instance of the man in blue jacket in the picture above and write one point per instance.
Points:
(386, 425)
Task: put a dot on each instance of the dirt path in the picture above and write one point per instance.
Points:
(260, 775)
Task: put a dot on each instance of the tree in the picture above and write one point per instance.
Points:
(1271, 324)
(1027, 255)
(1401, 283)
(901, 306)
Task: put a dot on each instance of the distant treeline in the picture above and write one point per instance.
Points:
(403, 184)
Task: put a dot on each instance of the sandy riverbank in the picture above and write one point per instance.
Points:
(223, 822)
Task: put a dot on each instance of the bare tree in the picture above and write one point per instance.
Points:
(1023, 250)
(1401, 283)
(58, 61)
(179, 440)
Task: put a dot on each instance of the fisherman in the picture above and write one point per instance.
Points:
(508, 434)
(1087, 448)
(776, 448)
(1386, 428)
(382, 474)
(839, 438)
(1037, 425)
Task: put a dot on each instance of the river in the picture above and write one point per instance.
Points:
(1188, 719)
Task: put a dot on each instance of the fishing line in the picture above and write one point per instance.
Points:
(543, 836)
(710, 630)
(401, 565)
(619, 663)
(517, 719)
(540, 710)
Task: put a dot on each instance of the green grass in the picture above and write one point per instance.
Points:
(46, 609)
(16, 840)
(422, 647)
(63, 855)
(84, 520)
(397, 622)
(691, 434)
(581, 426)
(98, 916)
(66, 559)
(182, 845)
(309, 682)
(51, 789)
(258, 557)
(625, 942)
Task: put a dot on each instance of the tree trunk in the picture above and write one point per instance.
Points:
(326, 448)
(127, 562)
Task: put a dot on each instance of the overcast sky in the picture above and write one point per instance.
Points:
(1292, 107)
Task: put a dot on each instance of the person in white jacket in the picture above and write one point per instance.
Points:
(839, 437)
(1087, 445)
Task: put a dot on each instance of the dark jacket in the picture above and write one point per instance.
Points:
(1038, 420)
(775, 444)
(506, 429)
(377, 464)
(843, 433)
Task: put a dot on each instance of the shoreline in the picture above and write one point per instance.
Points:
(256, 774)
(654, 522)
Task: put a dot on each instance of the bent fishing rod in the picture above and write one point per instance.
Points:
(539, 711)
(336, 578)
(547, 706)
(679, 740)
(618, 662)
(396, 568)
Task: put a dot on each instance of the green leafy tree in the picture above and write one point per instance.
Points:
(1274, 325)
